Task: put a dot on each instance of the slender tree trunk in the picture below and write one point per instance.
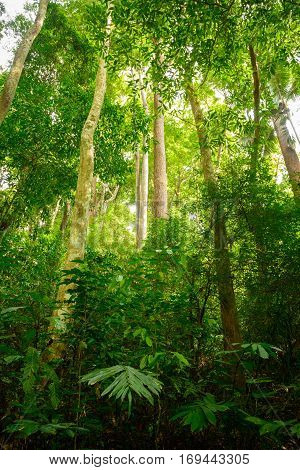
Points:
(137, 194)
(288, 150)
(144, 177)
(104, 202)
(54, 214)
(225, 284)
(65, 217)
(113, 195)
(93, 214)
(160, 163)
(11, 84)
(230, 323)
(256, 110)
(80, 215)
(143, 215)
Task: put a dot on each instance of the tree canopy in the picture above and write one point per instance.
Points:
(149, 225)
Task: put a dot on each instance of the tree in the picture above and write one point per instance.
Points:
(11, 83)
(231, 327)
(80, 214)
(142, 191)
(288, 150)
(160, 180)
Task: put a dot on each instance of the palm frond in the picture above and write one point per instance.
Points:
(127, 380)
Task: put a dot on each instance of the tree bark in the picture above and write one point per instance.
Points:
(256, 109)
(80, 215)
(104, 202)
(12, 81)
(160, 163)
(65, 217)
(143, 214)
(137, 194)
(144, 177)
(288, 150)
(230, 323)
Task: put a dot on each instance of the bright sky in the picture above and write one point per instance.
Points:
(13, 7)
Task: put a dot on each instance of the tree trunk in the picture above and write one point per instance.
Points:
(137, 194)
(230, 323)
(224, 279)
(11, 84)
(55, 214)
(93, 214)
(80, 215)
(288, 150)
(143, 213)
(104, 202)
(160, 164)
(144, 176)
(65, 217)
(256, 110)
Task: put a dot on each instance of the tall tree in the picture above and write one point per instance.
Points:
(80, 214)
(137, 193)
(160, 162)
(288, 149)
(143, 179)
(231, 327)
(11, 83)
(256, 109)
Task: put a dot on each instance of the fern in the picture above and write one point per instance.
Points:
(30, 371)
(127, 381)
(28, 427)
(53, 387)
(200, 414)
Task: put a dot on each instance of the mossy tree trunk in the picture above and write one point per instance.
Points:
(81, 209)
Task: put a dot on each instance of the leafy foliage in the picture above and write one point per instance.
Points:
(201, 413)
(159, 308)
(127, 380)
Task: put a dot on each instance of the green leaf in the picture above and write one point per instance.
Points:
(12, 358)
(10, 309)
(127, 380)
(211, 417)
(255, 420)
(181, 359)
(143, 362)
(262, 352)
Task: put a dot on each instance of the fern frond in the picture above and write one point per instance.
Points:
(127, 380)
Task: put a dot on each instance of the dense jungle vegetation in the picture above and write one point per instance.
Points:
(149, 225)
